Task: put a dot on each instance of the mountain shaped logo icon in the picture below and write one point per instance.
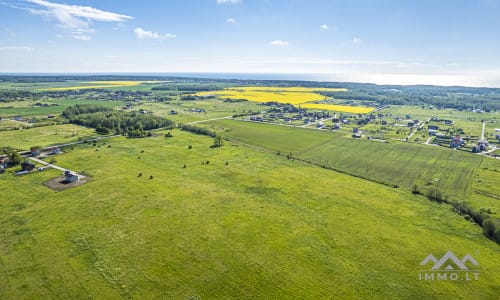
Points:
(449, 262)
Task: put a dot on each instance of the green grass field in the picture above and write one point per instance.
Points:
(248, 225)
(44, 136)
(398, 163)
(27, 108)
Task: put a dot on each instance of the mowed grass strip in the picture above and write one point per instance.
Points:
(260, 226)
(398, 163)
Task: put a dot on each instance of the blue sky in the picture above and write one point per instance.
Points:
(438, 41)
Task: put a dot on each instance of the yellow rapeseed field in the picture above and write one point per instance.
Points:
(299, 96)
(97, 85)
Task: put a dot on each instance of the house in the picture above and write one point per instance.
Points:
(173, 112)
(50, 116)
(27, 166)
(383, 122)
(4, 161)
(70, 176)
(18, 118)
(448, 122)
(433, 132)
(55, 151)
(433, 127)
(355, 130)
(456, 142)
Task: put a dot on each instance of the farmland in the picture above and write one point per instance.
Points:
(293, 205)
(95, 85)
(294, 95)
(44, 136)
(397, 163)
(259, 230)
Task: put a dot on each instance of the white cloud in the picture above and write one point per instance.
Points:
(324, 26)
(357, 40)
(228, 1)
(146, 34)
(279, 43)
(82, 37)
(76, 19)
(231, 20)
(16, 48)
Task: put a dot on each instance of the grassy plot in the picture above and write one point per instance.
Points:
(27, 108)
(212, 108)
(245, 225)
(398, 163)
(44, 136)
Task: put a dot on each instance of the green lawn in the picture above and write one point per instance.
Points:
(258, 227)
(44, 136)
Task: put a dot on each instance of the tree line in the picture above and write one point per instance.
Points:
(108, 121)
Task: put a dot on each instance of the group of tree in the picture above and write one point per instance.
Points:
(108, 121)
(198, 130)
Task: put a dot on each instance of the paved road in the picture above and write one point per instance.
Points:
(202, 121)
(47, 164)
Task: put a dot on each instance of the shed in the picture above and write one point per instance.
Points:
(28, 166)
(70, 176)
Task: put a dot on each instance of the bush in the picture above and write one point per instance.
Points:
(415, 190)
(198, 130)
(489, 227)
(435, 195)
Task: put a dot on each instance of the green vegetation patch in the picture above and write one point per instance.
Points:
(158, 221)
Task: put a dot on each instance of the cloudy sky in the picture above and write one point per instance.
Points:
(417, 41)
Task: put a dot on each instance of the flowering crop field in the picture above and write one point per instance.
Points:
(97, 85)
(299, 96)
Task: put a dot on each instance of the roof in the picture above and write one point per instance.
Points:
(28, 163)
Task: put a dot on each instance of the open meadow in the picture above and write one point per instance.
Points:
(44, 136)
(175, 218)
(395, 163)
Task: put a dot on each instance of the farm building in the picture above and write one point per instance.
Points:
(70, 176)
(2, 170)
(27, 166)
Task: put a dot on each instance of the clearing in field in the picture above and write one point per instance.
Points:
(299, 96)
